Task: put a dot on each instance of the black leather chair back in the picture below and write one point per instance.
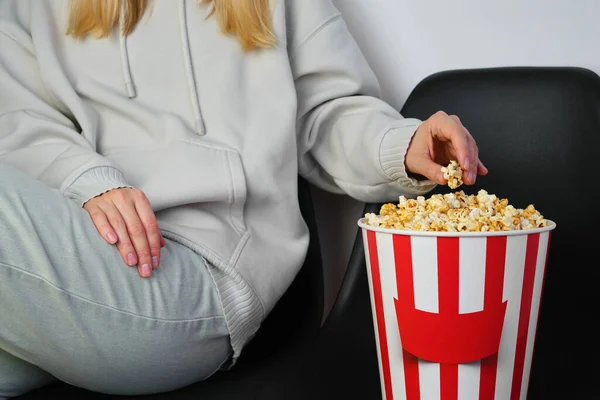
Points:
(538, 131)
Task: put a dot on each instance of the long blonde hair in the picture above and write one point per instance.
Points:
(249, 20)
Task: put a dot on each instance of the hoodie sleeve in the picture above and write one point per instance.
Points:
(350, 141)
(38, 134)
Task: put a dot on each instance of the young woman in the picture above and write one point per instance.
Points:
(168, 135)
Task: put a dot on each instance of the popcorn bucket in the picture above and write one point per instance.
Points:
(455, 314)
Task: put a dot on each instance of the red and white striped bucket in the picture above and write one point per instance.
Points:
(455, 314)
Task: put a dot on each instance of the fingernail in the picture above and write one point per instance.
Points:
(473, 176)
(112, 238)
(146, 270)
(467, 163)
(131, 260)
(154, 262)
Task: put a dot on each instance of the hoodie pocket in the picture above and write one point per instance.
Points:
(197, 190)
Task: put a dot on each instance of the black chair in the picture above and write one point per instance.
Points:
(538, 130)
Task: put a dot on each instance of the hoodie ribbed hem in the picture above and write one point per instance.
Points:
(94, 182)
(392, 154)
(241, 307)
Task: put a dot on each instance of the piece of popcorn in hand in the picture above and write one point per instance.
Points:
(453, 174)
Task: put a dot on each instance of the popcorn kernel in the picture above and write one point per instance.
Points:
(456, 212)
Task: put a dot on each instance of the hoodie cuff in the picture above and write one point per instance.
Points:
(392, 154)
(94, 182)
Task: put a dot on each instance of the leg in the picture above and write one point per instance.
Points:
(17, 376)
(71, 306)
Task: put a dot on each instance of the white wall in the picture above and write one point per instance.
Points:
(407, 40)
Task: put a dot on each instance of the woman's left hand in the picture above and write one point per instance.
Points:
(437, 141)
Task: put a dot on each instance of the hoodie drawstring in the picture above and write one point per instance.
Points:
(125, 67)
(189, 68)
(187, 59)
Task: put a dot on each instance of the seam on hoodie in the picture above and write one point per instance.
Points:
(238, 251)
(211, 146)
(317, 109)
(35, 145)
(328, 21)
(313, 168)
(210, 255)
(407, 189)
(38, 114)
(281, 41)
(385, 176)
(58, 105)
(76, 175)
(317, 166)
(231, 191)
(320, 138)
(29, 49)
(52, 162)
(234, 199)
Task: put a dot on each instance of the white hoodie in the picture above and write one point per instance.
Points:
(215, 137)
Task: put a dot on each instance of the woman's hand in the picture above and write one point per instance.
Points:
(437, 141)
(124, 217)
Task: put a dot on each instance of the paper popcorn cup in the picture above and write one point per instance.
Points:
(455, 314)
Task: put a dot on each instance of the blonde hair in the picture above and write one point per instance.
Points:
(248, 20)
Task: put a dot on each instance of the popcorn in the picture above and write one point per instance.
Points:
(453, 174)
(456, 212)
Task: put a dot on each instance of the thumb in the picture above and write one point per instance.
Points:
(429, 169)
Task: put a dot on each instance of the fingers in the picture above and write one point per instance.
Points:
(470, 171)
(101, 222)
(432, 171)
(124, 244)
(450, 128)
(125, 217)
(482, 169)
(438, 140)
(137, 234)
(148, 220)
